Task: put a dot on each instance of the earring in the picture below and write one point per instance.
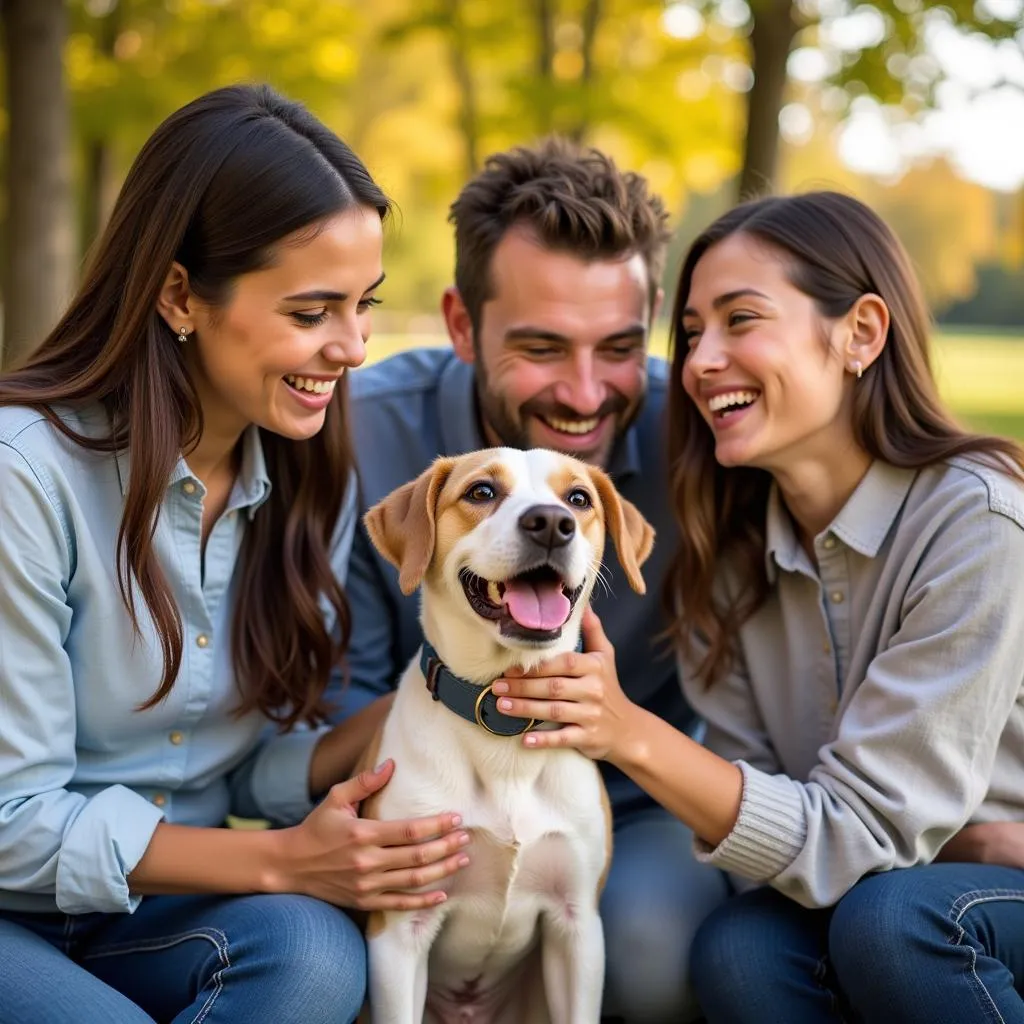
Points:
(856, 367)
(183, 334)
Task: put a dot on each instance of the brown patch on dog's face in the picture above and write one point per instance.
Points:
(632, 535)
(459, 511)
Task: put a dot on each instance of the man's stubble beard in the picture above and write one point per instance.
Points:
(511, 428)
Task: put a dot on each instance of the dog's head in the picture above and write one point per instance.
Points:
(509, 542)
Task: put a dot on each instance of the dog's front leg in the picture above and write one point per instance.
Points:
(398, 956)
(573, 957)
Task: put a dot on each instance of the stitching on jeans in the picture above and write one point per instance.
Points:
(212, 935)
(820, 974)
(961, 906)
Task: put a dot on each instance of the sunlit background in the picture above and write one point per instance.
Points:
(916, 108)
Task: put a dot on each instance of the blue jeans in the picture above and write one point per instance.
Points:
(942, 944)
(656, 896)
(186, 960)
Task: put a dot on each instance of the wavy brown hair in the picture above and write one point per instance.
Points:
(214, 188)
(573, 199)
(835, 250)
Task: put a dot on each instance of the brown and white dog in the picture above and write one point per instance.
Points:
(506, 546)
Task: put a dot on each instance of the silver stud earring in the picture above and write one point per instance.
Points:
(857, 368)
(183, 335)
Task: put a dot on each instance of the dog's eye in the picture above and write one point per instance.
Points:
(481, 492)
(579, 498)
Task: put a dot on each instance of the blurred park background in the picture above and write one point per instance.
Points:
(917, 108)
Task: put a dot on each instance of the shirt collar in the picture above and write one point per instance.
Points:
(862, 523)
(252, 485)
(460, 425)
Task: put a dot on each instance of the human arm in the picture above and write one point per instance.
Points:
(373, 662)
(53, 841)
(914, 752)
(83, 849)
(332, 855)
(988, 842)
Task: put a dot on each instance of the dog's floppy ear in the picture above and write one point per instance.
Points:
(401, 525)
(632, 534)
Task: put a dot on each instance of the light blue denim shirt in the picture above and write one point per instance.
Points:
(85, 777)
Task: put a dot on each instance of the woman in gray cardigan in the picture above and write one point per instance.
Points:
(850, 607)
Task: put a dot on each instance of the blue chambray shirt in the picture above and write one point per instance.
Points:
(416, 405)
(85, 777)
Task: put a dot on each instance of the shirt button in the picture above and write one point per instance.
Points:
(159, 799)
(837, 597)
(202, 640)
(826, 648)
(176, 738)
(188, 487)
(829, 543)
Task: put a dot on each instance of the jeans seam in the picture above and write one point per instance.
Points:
(962, 905)
(820, 974)
(212, 935)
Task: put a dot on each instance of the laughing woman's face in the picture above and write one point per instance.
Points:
(763, 366)
(273, 353)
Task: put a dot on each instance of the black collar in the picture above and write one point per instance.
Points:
(470, 701)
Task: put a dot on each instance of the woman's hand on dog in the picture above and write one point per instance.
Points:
(579, 691)
(363, 864)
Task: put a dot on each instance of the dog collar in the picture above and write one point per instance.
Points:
(474, 703)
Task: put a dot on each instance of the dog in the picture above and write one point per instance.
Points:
(505, 546)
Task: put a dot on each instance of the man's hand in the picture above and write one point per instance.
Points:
(993, 842)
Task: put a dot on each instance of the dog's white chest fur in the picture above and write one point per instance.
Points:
(539, 845)
(505, 547)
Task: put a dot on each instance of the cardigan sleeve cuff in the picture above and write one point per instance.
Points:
(769, 832)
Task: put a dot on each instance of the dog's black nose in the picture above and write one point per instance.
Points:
(550, 526)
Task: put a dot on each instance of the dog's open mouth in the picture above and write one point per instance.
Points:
(532, 605)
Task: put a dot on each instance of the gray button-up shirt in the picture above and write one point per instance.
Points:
(876, 706)
(417, 405)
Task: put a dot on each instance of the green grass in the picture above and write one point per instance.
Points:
(981, 376)
(1006, 424)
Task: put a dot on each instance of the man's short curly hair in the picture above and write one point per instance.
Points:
(574, 200)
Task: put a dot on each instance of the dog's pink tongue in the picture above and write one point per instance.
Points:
(537, 605)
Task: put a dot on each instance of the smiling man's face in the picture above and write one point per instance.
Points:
(561, 348)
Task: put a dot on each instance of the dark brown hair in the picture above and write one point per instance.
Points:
(573, 200)
(214, 188)
(836, 250)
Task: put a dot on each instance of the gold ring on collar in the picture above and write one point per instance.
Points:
(478, 714)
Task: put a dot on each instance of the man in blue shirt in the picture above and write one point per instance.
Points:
(558, 259)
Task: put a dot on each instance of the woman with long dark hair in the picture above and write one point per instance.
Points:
(176, 511)
(849, 604)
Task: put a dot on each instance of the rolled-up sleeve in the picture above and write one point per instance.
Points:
(52, 841)
(273, 783)
(914, 753)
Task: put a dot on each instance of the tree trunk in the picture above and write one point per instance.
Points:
(771, 38)
(459, 56)
(100, 179)
(544, 25)
(40, 242)
(591, 19)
